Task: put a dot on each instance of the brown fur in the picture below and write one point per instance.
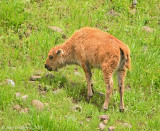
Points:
(91, 47)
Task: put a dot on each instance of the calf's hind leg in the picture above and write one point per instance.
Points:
(120, 76)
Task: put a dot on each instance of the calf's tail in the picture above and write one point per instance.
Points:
(125, 57)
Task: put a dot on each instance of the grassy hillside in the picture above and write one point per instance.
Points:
(25, 40)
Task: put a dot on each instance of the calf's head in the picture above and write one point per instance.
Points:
(54, 59)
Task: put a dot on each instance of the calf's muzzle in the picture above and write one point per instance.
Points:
(48, 68)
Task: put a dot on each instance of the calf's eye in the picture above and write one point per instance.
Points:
(50, 57)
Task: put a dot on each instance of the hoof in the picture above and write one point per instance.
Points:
(92, 88)
(89, 97)
(105, 108)
(121, 109)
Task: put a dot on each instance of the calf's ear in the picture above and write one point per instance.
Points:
(60, 51)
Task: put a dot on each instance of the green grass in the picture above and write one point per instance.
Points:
(24, 44)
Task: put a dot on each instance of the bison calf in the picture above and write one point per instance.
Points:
(89, 48)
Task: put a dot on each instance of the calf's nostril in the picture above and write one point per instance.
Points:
(46, 66)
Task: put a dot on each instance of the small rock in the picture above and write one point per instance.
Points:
(42, 89)
(18, 94)
(88, 119)
(77, 73)
(100, 93)
(77, 108)
(75, 69)
(27, 33)
(49, 75)
(54, 28)
(103, 117)
(40, 86)
(81, 122)
(11, 82)
(134, 6)
(38, 72)
(64, 36)
(111, 128)
(102, 126)
(17, 107)
(32, 82)
(145, 49)
(35, 77)
(134, 2)
(2, 83)
(45, 88)
(46, 104)
(43, 92)
(24, 97)
(13, 68)
(105, 122)
(24, 110)
(147, 29)
(56, 91)
(57, 29)
(27, 125)
(127, 125)
(39, 105)
(133, 11)
(113, 13)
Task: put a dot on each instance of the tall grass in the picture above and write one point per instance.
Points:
(25, 40)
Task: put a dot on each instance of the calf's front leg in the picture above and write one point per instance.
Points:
(88, 74)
